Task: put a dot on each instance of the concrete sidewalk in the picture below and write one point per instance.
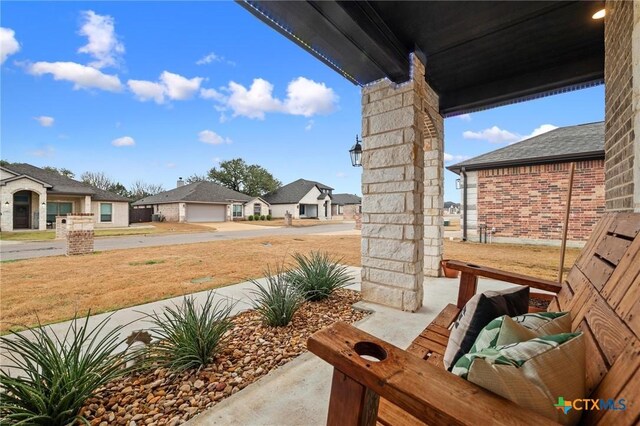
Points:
(298, 392)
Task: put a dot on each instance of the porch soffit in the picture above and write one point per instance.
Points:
(479, 54)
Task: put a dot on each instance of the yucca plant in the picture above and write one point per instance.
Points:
(317, 276)
(190, 336)
(277, 300)
(54, 377)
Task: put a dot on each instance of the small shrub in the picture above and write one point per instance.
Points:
(250, 218)
(268, 217)
(256, 216)
(58, 375)
(317, 276)
(276, 300)
(190, 337)
(263, 217)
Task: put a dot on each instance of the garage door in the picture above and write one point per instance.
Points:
(206, 213)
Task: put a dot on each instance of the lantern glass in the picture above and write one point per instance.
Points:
(356, 154)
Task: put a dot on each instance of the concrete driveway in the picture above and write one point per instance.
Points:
(236, 226)
(14, 250)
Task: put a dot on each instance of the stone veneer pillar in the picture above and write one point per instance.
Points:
(79, 233)
(397, 128)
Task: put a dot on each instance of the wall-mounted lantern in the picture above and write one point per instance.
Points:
(458, 183)
(356, 153)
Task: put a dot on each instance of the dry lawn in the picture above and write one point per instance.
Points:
(297, 223)
(55, 287)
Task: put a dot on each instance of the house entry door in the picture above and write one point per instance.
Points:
(20, 216)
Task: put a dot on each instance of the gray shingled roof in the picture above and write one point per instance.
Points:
(61, 184)
(203, 192)
(344, 199)
(292, 193)
(572, 143)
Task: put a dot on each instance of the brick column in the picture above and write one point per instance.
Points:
(635, 60)
(393, 214)
(79, 233)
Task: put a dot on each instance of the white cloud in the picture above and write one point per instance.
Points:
(8, 43)
(47, 151)
(493, 135)
(465, 117)
(170, 85)
(212, 57)
(178, 87)
(448, 158)
(309, 125)
(341, 174)
(123, 141)
(497, 135)
(44, 121)
(103, 43)
(147, 90)
(253, 103)
(211, 137)
(171, 165)
(306, 97)
(212, 94)
(540, 130)
(82, 76)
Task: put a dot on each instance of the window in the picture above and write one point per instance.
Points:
(105, 212)
(57, 209)
(339, 209)
(301, 209)
(237, 210)
(257, 208)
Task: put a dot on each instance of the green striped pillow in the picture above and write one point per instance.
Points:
(533, 373)
(505, 330)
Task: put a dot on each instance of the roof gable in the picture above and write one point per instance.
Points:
(293, 192)
(198, 192)
(571, 143)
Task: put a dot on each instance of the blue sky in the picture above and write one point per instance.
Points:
(156, 90)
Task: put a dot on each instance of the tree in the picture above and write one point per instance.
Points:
(98, 180)
(197, 178)
(251, 179)
(61, 171)
(259, 181)
(141, 189)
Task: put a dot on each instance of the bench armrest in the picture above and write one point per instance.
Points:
(427, 392)
(471, 272)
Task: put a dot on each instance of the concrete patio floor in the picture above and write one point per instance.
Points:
(298, 392)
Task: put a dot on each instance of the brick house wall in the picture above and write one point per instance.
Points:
(619, 133)
(528, 202)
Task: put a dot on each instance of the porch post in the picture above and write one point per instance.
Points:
(393, 179)
(87, 204)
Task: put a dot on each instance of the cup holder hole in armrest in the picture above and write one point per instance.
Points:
(370, 351)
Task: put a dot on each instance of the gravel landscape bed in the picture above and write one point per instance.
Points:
(159, 397)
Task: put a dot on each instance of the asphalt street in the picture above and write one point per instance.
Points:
(13, 250)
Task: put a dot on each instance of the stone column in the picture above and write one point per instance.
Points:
(79, 233)
(395, 136)
(87, 204)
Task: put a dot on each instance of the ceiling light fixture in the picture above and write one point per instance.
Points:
(599, 14)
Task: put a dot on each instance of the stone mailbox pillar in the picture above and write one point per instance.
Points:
(288, 219)
(79, 233)
(61, 227)
(358, 218)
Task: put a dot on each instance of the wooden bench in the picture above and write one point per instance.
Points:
(411, 387)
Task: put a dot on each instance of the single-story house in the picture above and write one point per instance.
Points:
(519, 192)
(345, 206)
(203, 202)
(32, 197)
(302, 198)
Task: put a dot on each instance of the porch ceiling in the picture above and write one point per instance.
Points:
(478, 54)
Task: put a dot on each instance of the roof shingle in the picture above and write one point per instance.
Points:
(202, 192)
(293, 192)
(572, 143)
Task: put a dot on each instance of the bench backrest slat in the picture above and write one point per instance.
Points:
(602, 291)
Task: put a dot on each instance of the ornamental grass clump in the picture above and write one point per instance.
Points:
(276, 300)
(190, 337)
(58, 375)
(317, 276)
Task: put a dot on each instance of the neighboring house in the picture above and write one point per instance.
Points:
(303, 199)
(521, 190)
(345, 206)
(203, 202)
(32, 197)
